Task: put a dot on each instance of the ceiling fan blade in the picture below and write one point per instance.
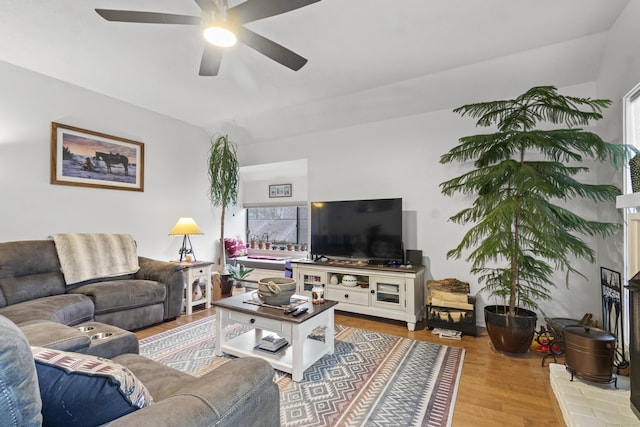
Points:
(252, 10)
(271, 49)
(148, 17)
(208, 6)
(211, 59)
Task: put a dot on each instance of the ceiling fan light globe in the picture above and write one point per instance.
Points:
(220, 36)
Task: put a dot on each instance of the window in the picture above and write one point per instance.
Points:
(287, 224)
(632, 134)
(631, 106)
(633, 118)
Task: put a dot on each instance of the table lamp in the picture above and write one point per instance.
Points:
(185, 227)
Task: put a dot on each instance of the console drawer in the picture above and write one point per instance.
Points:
(344, 294)
(271, 325)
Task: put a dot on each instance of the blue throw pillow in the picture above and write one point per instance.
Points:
(83, 390)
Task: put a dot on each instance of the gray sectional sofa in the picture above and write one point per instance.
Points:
(41, 314)
(33, 288)
(238, 393)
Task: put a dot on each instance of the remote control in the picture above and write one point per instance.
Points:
(300, 311)
(290, 310)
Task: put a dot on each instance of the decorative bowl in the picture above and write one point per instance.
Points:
(276, 290)
(349, 280)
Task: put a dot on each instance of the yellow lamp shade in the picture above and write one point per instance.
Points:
(185, 227)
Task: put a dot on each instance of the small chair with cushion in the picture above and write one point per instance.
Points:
(50, 387)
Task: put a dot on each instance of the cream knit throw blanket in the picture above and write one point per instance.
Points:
(90, 256)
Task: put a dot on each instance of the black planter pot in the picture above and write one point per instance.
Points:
(225, 284)
(510, 335)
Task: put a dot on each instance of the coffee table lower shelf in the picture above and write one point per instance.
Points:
(245, 346)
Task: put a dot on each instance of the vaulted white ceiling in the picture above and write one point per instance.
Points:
(368, 59)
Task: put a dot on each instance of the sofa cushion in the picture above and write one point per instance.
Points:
(134, 318)
(161, 380)
(82, 390)
(20, 402)
(29, 269)
(55, 335)
(117, 295)
(68, 309)
(242, 392)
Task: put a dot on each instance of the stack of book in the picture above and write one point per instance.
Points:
(448, 333)
(272, 343)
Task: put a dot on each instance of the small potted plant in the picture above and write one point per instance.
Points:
(238, 274)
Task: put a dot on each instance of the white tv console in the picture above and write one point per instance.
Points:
(383, 291)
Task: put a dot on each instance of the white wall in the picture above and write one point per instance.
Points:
(256, 181)
(394, 158)
(619, 73)
(399, 157)
(175, 169)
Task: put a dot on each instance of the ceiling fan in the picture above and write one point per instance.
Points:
(222, 26)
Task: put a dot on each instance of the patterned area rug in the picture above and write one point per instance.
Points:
(372, 379)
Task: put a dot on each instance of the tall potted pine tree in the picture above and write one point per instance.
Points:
(224, 177)
(522, 229)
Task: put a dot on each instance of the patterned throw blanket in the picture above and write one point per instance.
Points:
(91, 256)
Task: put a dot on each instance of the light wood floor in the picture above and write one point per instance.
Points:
(494, 390)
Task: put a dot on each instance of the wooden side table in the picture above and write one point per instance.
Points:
(200, 272)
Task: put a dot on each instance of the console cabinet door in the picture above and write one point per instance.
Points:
(307, 279)
(388, 292)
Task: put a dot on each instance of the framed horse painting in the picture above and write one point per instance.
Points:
(92, 159)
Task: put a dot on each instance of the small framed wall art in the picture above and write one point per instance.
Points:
(86, 158)
(280, 190)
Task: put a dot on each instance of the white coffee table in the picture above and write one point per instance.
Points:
(302, 351)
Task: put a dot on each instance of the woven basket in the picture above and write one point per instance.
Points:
(276, 290)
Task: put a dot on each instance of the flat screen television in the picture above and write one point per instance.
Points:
(359, 229)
